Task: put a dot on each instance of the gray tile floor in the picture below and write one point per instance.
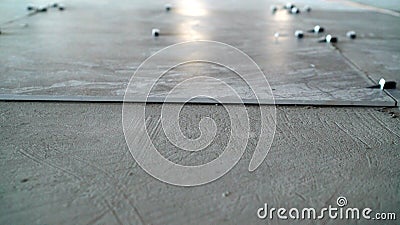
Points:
(54, 55)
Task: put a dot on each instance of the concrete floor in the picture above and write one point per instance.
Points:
(68, 163)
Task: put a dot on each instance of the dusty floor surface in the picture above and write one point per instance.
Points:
(68, 163)
(65, 163)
